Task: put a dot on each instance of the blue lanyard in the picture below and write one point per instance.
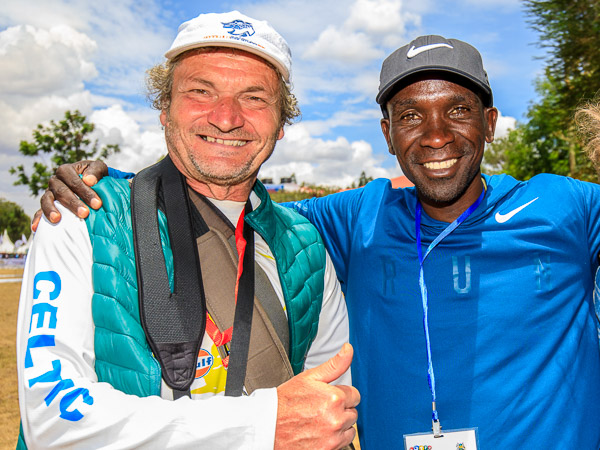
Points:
(449, 229)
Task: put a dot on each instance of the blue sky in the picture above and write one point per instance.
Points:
(88, 55)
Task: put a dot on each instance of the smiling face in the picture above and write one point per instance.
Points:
(223, 120)
(437, 130)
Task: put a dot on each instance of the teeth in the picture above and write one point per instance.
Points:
(441, 164)
(231, 142)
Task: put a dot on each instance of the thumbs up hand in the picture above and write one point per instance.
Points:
(313, 414)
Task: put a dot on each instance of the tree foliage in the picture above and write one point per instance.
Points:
(500, 155)
(306, 191)
(548, 142)
(14, 219)
(570, 31)
(67, 141)
(364, 179)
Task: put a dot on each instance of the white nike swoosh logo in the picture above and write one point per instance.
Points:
(501, 218)
(412, 52)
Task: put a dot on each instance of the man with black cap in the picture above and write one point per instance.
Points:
(470, 296)
(474, 290)
(184, 312)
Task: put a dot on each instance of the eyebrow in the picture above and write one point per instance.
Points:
(199, 80)
(402, 103)
(255, 88)
(405, 102)
(459, 98)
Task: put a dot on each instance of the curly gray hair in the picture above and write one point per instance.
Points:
(588, 123)
(159, 84)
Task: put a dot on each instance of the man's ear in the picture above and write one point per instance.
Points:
(491, 117)
(281, 133)
(163, 117)
(385, 129)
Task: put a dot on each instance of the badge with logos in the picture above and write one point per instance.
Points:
(464, 439)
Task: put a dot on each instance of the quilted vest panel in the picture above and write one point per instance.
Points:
(123, 356)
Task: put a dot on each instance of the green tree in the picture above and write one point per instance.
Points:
(500, 153)
(66, 141)
(14, 219)
(552, 137)
(306, 191)
(569, 32)
(363, 179)
(547, 143)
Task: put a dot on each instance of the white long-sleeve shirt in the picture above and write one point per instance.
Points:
(63, 404)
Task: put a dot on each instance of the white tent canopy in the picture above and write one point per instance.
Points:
(23, 249)
(6, 246)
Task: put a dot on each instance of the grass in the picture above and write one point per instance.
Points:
(9, 403)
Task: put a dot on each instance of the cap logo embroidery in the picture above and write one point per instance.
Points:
(239, 28)
(412, 52)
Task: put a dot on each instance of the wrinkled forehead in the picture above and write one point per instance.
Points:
(227, 51)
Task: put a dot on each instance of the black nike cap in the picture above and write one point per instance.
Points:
(433, 53)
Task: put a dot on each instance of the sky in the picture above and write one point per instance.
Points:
(59, 55)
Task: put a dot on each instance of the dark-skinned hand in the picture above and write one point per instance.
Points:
(71, 190)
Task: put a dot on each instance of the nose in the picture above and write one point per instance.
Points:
(437, 132)
(226, 115)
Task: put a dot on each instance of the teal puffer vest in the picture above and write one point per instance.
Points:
(123, 356)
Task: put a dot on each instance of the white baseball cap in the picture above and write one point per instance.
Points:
(234, 29)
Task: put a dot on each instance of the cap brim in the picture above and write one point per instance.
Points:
(383, 95)
(173, 52)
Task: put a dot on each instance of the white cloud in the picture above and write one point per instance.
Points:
(380, 17)
(371, 26)
(349, 47)
(328, 162)
(504, 125)
(299, 21)
(139, 147)
(39, 62)
(44, 74)
(19, 119)
(131, 35)
(344, 58)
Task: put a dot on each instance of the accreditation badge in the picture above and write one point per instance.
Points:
(465, 439)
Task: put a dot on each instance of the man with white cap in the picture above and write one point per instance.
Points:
(233, 294)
